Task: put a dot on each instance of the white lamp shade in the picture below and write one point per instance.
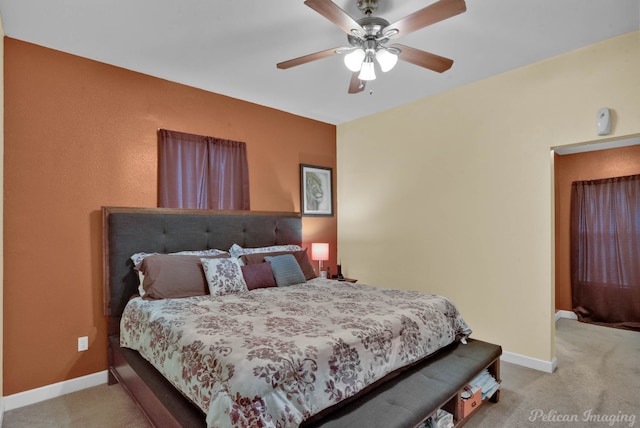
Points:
(319, 251)
(386, 59)
(353, 60)
(368, 71)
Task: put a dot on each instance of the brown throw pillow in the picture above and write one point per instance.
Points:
(258, 275)
(301, 257)
(173, 276)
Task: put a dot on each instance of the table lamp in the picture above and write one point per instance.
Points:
(320, 252)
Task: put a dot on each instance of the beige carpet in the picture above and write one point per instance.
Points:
(99, 407)
(597, 384)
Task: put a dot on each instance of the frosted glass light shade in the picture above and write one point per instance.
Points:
(353, 60)
(368, 71)
(320, 251)
(386, 59)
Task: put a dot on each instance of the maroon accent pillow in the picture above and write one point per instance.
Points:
(169, 276)
(258, 275)
(301, 257)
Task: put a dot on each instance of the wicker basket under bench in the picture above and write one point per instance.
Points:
(423, 390)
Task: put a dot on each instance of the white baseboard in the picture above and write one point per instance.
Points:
(47, 392)
(530, 362)
(534, 363)
(566, 314)
(1, 409)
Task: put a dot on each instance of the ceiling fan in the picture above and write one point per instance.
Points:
(368, 38)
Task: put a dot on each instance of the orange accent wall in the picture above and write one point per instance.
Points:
(80, 134)
(575, 167)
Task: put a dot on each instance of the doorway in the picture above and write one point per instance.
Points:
(589, 162)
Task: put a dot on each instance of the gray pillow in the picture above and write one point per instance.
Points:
(286, 270)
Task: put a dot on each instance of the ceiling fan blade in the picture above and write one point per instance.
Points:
(431, 14)
(308, 58)
(335, 14)
(356, 85)
(423, 59)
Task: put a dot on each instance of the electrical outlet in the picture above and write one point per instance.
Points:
(83, 343)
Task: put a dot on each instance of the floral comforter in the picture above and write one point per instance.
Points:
(273, 357)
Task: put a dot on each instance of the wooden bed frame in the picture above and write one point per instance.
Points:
(131, 230)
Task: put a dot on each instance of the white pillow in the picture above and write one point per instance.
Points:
(237, 251)
(224, 276)
(141, 290)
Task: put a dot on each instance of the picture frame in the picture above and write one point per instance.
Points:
(316, 190)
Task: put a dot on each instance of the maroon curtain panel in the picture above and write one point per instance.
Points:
(605, 251)
(201, 172)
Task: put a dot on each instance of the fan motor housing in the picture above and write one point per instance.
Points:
(367, 6)
(373, 25)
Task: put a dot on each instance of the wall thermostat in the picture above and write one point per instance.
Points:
(604, 121)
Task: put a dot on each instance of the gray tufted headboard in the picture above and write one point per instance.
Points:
(131, 230)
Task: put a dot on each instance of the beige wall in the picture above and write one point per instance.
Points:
(453, 194)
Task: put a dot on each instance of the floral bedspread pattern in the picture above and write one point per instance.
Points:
(274, 357)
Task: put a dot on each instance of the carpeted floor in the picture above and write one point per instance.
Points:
(597, 384)
(98, 407)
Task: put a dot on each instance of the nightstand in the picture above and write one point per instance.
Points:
(346, 280)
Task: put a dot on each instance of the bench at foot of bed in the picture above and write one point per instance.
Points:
(413, 396)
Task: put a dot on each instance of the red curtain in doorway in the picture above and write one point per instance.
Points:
(605, 251)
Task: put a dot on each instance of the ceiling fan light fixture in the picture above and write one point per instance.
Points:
(367, 72)
(368, 37)
(386, 59)
(353, 60)
(390, 33)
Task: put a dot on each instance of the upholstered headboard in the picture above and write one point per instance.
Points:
(131, 230)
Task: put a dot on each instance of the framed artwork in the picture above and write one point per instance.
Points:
(316, 190)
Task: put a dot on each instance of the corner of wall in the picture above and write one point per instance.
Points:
(1, 213)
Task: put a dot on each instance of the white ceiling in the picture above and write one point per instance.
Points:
(231, 47)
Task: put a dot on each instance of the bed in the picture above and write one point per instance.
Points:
(318, 368)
